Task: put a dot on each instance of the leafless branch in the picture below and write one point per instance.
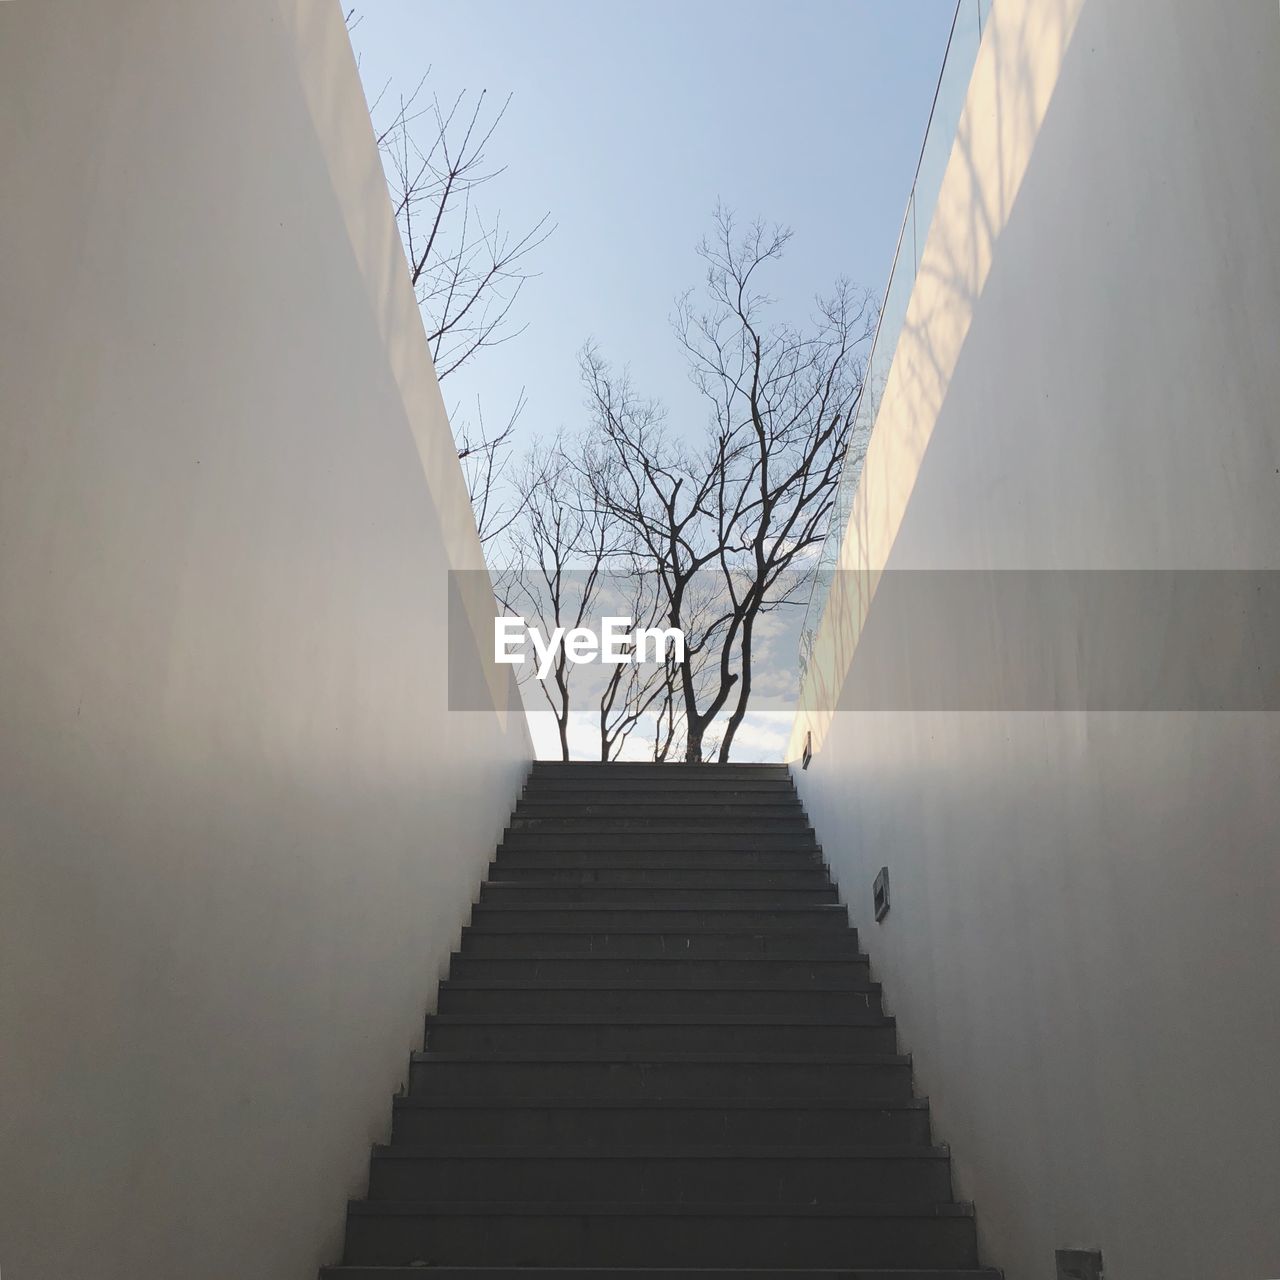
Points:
(750, 507)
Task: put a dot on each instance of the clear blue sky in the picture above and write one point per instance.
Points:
(630, 120)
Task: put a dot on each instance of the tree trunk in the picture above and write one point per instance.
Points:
(744, 690)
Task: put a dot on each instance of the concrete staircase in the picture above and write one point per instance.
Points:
(659, 1049)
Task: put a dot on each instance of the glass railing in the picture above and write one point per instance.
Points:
(967, 27)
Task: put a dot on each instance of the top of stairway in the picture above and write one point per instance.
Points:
(618, 767)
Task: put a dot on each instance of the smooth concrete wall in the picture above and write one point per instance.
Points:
(239, 829)
(1084, 938)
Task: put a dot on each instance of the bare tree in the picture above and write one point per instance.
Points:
(485, 458)
(572, 566)
(750, 508)
(670, 734)
(648, 482)
(786, 398)
(666, 720)
(634, 691)
(467, 268)
(562, 546)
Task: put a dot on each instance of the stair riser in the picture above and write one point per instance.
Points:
(830, 975)
(666, 1273)
(548, 791)
(527, 943)
(681, 825)
(523, 894)
(692, 1080)
(501, 919)
(656, 1126)
(718, 862)
(659, 1240)
(659, 1038)
(654, 1003)
(753, 879)
(662, 808)
(638, 791)
(673, 771)
(679, 843)
(731, 795)
(670, 1180)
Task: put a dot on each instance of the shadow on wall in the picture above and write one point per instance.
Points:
(1023, 48)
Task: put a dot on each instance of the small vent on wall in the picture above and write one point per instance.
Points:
(1079, 1264)
(880, 894)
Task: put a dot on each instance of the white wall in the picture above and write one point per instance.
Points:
(1084, 941)
(239, 830)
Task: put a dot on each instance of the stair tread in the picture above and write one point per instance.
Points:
(800, 830)
(639, 794)
(868, 1151)
(661, 796)
(804, 1102)
(640, 957)
(613, 984)
(790, 864)
(658, 1209)
(359, 1272)
(693, 844)
(829, 908)
(529, 884)
(702, 768)
(540, 1019)
(650, 930)
(807, 867)
(703, 807)
(657, 835)
(646, 1056)
(793, 824)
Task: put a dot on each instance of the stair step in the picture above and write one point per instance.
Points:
(693, 1033)
(677, 785)
(616, 769)
(586, 1234)
(646, 1273)
(678, 841)
(648, 917)
(598, 999)
(565, 880)
(669, 821)
(797, 1121)
(607, 798)
(847, 1077)
(645, 1175)
(536, 938)
(653, 892)
(720, 863)
(781, 808)
(670, 972)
